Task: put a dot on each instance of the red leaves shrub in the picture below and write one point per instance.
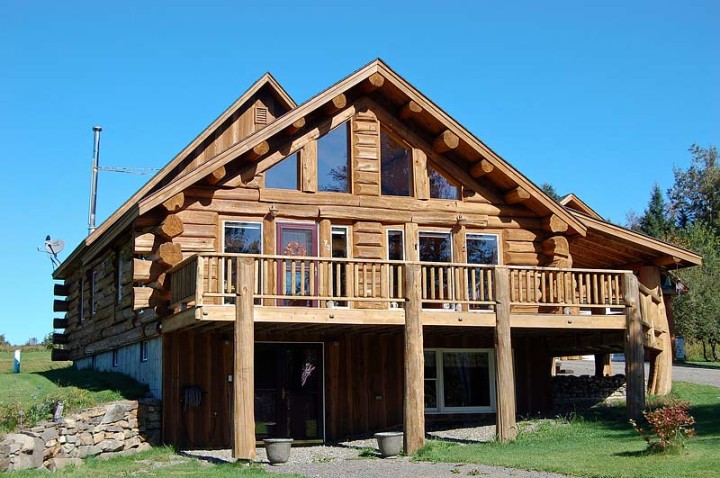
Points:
(670, 423)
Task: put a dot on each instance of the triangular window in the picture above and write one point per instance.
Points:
(440, 186)
(396, 177)
(332, 160)
(283, 175)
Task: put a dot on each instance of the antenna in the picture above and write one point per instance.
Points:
(94, 178)
(52, 247)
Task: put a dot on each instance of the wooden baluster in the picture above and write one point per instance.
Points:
(432, 282)
(400, 281)
(312, 266)
(473, 279)
(384, 279)
(373, 270)
(441, 285)
(543, 288)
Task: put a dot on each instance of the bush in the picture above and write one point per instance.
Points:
(667, 426)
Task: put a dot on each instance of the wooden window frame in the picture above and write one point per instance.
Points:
(143, 351)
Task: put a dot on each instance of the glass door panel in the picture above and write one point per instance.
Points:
(296, 278)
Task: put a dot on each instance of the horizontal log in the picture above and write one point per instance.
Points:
(61, 305)
(175, 203)
(481, 168)
(216, 176)
(553, 223)
(60, 323)
(517, 195)
(259, 150)
(337, 103)
(556, 246)
(147, 297)
(145, 242)
(410, 109)
(146, 271)
(167, 254)
(59, 355)
(445, 141)
(373, 82)
(61, 289)
(296, 126)
(60, 339)
(171, 227)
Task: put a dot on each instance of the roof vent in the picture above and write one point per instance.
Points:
(261, 115)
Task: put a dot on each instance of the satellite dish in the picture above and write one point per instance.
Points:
(53, 246)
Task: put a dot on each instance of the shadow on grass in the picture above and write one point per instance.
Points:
(716, 365)
(95, 381)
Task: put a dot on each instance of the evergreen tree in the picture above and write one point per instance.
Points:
(550, 191)
(655, 221)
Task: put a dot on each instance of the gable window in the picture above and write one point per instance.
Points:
(459, 380)
(440, 186)
(396, 177)
(283, 175)
(332, 160)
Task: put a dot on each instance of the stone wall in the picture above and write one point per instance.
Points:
(122, 427)
(586, 389)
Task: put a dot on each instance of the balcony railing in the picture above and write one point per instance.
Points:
(209, 279)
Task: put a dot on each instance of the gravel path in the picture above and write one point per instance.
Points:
(681, 373)
(344, 460)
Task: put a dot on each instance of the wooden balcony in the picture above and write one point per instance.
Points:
(357, 291)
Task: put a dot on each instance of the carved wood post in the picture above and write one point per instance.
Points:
(506, 429)
(414, 405)
(634, 351)
(243, 378)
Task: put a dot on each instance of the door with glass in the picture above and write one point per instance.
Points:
(296, 277)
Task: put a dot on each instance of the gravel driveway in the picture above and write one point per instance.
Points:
(681, 373)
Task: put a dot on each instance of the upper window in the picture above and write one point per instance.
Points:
(283, 175)
(243, 237)
(482, 249)
(332, 160)
(435, 246)
(440, 186)
(396, 177)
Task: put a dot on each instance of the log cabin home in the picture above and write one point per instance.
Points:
(352, 264)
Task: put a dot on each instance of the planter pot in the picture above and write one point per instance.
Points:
(277, 449)
(389, 443)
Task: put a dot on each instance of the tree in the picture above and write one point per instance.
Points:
(3, 341)
(549, 189)
(47, 341)
(655, 221)
(695, 196)
(697, 312)
(32, 341)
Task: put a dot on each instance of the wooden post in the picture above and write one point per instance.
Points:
(660, 381)
(506, 426)
(243, 378)
(634, 352)
(414, 406)
(603, 366)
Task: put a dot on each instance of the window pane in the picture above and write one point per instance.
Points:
(431, 394)
(396, 249)
(332, 161)
(396, 167)
(482, 249)
(435, 247)
(430, 365)
(338, 271)
(466, 379)
(440, 186)
(284, 175)
(243, 238)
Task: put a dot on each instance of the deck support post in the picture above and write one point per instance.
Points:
(244, 357)
(634, 350)
(603, 365)
(506, 428)
(414, 396)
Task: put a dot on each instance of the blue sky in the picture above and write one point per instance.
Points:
(598, 98)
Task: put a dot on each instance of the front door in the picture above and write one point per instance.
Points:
(289, 391)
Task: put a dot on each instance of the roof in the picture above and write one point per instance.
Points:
(394, 89)
(573, 202)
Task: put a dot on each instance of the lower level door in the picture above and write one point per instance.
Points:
(289, 391)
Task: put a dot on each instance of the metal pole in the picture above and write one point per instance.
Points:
(94, 178)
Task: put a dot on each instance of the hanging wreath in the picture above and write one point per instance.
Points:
(294, 248)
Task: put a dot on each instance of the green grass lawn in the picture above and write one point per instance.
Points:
(158, 462)
(41, 382)
(601, 443)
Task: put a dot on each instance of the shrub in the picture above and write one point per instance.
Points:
(667, 426)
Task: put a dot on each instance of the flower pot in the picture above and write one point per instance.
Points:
(277, 449)
(389, 443)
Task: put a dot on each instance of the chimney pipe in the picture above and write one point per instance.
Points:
(94, 178)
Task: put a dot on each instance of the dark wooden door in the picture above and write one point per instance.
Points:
(289, 391)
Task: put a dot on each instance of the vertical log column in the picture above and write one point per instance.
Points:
(634, 352)
(414, 405)
(660, 381)
(506, 425)
(244, 379)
